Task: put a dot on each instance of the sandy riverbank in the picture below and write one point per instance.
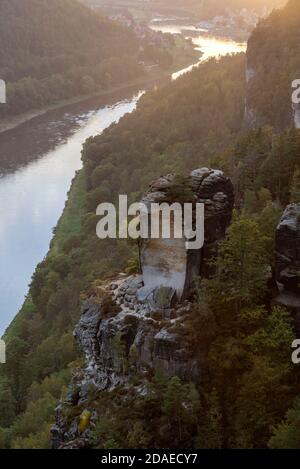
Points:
(14, 121)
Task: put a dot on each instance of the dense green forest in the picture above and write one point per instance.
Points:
(169, 131)
(60, 49)
(274, 56)
(145, 144)
(250, 399)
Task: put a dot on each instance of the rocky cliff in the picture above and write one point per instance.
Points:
(133, 326)
(272, 66)
(288, 260)
(250, 117)
(167, 262)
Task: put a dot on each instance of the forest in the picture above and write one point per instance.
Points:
(274, 57)
(251, 399)
(57, 50)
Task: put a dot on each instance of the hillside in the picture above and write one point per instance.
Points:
(199, 9)
(239, 4)
(273, 58)
(157, 137)
(60, 49)
(228, 346)
(210, 8)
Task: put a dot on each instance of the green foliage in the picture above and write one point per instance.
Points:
(261, 161)
(286, 434)
(145, 421)
(178, 116)
(268, 220)
(53, 384)
(133, 265)
(181, 191)
(210, 430)
(241, 267)
(273, 53)
(7, 403)
(138, 437)
(295, 187)
(38, 440)
(246, 341)
(179, 404)
(60, 49)
(52, 355)
(250, 356)
(32, 429)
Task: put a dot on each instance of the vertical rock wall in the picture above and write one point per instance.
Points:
(167, 262)
(288, 261)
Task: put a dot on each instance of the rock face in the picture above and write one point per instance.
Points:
(130, 339)
(168, 262)
(288, 260)
(135, 339)
(250, 118)
(288, 249)
(134, 326)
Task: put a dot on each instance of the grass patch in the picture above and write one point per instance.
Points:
(69, 224)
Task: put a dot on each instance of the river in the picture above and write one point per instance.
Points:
(33, 194)
(208, 45)
(38, 161)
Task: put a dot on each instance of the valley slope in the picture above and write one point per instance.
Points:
(251, 383)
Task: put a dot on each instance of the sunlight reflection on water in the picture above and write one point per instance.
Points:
(31, 201)
(209, 46)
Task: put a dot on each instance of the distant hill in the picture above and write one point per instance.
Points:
(238, 4)
(56, 49)
(216, 7)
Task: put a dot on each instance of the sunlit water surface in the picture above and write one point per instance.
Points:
(32, 199)
(209, 46)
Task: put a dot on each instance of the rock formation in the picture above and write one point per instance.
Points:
(250, 117)
(123, 336)
(133, 326)
(288, 260)
(167, 262)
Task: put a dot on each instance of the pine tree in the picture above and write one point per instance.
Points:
(286, 435)
(242, 263)
(210, 429)
(173, 403)
(7, 404)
